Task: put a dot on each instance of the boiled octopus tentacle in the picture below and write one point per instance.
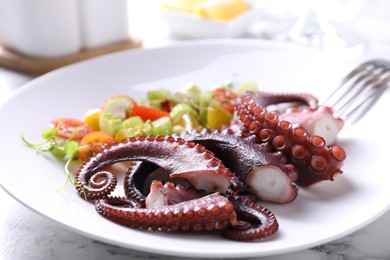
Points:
(134, 182)
(267, 173)
(253, 221)
(259, 170)
(141, 174)
(266, 99)
(302, 109)
(210, 212)
(320, 121)
(313, 160)
(169, 194)
(99, 185)
(181, 159)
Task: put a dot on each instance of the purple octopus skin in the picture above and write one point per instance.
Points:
(254, 221)
(135, 180)
(265, 99)
(178, 208)
(140, 174)
(100, 185)
(302, 109)
(267, 174)
(211, 212)
(181, 159)
(311, 157)
(258, 170)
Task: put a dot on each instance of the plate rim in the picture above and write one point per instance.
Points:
(170, 46)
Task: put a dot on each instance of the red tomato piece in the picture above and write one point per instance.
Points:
(148, 113)
(70, 128)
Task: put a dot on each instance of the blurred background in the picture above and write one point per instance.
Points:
(34, 28)
(41, 35)
(356, 21)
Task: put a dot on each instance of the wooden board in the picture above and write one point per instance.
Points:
(37, 66)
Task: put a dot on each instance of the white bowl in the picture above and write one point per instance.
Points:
(190, 26)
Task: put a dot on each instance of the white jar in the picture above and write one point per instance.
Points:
(103, 22)
(40, 28)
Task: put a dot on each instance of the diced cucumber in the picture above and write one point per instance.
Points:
(134, 121)
(185, 116)
(190, 122)
(160, 94)
(162, 126)
(109, 123)
(155, 103)
(123, 134)
(118, 106)
(204, 103)
(179, 110)
(155, 98)
(189, 93)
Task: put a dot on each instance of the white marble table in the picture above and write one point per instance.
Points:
(25, 234)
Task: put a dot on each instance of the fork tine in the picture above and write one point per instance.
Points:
(361, 85)
(363, 68)
(360, 89)
(360, 109)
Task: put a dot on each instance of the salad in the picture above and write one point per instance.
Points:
(160, 112)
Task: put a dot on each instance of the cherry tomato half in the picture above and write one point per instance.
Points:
(70, 128)
(148, 113)
(226, 98)
(92, 143)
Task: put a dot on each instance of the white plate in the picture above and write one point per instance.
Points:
(321, 213)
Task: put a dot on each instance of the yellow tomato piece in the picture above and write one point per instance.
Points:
(92, 143)
(122, 134)
(221, 9)
(91, 118)
(217, 117)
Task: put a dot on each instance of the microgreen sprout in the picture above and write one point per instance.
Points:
(66, 149)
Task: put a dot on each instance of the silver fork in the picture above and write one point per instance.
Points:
(359, 90)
